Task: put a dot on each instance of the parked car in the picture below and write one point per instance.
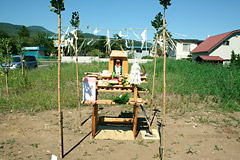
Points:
(16, 62)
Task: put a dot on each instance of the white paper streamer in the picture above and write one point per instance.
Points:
(121, 35)
(144, 37)
(73, 32)
(89, 42)
(108, 42)
(63, 36)
(96, 31)
(160, 41)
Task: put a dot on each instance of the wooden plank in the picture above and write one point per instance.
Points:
(114, 86)
(139, 101)
(143, 91)
(145, 82)
(129, 91)
(99, 102)
(110, 65)
(115, 120)
(124, 67)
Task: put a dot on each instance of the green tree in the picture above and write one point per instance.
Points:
(57, 6)
(97, 52)
(100, 45)
(235, 59)
(238, 59)
(4, 34)
(86, 49)
(42, 39)
(24, 32)
(20, 44)
(118, 43)
(6, 48)
(157, 23)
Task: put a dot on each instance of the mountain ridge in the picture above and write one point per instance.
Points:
(13, 29)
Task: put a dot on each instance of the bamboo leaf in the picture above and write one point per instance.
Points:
(165, 3)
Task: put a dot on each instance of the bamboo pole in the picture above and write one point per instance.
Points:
(164, 85)
(59, 99)
(154, 73)
(78, 94)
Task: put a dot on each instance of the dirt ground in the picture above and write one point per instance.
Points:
(191, 135)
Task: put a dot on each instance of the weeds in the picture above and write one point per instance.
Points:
(35, 145)
(121, 142)
(181, 135)
(217, 148)
(10, 141)
(156, 155)
(141, 143)
(189, 150)
(92, 142)
(238, 139)
(86, 154)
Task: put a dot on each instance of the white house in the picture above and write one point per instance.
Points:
(220, 45)
(183, 48)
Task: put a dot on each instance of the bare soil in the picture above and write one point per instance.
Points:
(192, 134)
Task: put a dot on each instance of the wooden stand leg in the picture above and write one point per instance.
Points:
(94, 119)
(135, 112)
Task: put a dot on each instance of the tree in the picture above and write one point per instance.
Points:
(57, 6)
(97, 52)
(118, 43)
(235, 59)
(101, 45)
(75, 22)
(157, 23)
(5, 47)
(24, 32)
(21, 51)
(165, 4)
(41, 39)
(4, 34)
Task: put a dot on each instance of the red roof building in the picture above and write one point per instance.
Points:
(212, 59)
(220, 45)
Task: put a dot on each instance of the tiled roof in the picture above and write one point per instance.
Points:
(212, 42)
(211, 58)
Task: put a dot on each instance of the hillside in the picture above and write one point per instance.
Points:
(13, 29)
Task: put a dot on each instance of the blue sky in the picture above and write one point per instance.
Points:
(187, 19)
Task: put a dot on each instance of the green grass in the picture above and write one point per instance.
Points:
(220, 83)
(37, 90)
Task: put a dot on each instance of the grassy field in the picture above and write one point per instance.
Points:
(37, 90)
